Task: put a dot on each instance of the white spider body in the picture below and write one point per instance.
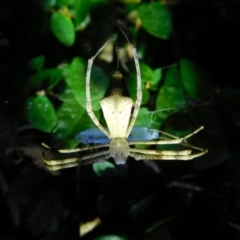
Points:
(120, 113)
(117, 112)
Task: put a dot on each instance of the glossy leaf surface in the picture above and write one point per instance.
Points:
(75, 76)
(104, 168)
(172, 96)
(63, 28)
(37, 63)
(41, 113)
(196, 81)
(160, 22)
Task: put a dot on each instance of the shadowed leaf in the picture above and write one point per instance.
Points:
(160, 22)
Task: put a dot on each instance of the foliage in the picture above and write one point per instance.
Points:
(160, 22)
(189, 78)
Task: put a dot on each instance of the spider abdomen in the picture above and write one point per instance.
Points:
(117, 112)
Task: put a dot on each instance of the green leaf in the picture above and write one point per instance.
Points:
(61, 3)
(75, 76)
(147, 119)
(49, 3)
(156, 78)
(80, 10)
(131, 81)
(172, 96)
(63, 28)
(145, 96)
(104, 168)
(36, 80)
(53, 76)
(88, 123)
(98, 86)
(131, 84)
(110, 237)
(70, 120)
(196, 81)
(147, 77)
(98, 2)
(41, 113)
(156, 19)
(37, 63)
(67, 95)
(146, 72)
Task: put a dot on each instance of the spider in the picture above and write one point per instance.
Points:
(120, 112)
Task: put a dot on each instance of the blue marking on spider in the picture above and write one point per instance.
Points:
(95, 136)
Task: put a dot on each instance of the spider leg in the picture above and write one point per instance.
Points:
(176, 140)
(188, 136)
(139, 86)
(139, 92)
(54, 165)
(186, 157)
(156, 142)
(73, 150)
(96, 159)
(75, 164)
(88, 95)
(160, 152)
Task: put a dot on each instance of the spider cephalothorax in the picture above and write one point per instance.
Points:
(119, 150)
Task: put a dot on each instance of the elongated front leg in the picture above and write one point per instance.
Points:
(88, 95)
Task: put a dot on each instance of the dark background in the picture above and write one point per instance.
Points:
(176, 201)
